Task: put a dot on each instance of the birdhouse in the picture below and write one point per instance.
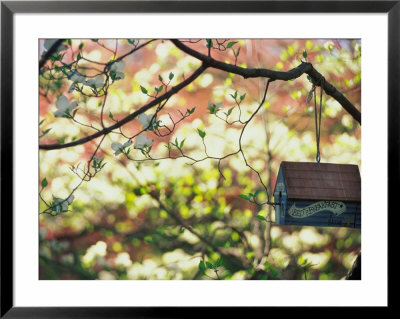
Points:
(318, 194)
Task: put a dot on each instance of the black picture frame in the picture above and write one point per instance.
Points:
(9, 8)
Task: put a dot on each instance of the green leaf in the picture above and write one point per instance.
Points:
(214, 108)
(242, 97)
(305, 54)
(44, 182)
(78, 57)
(230, 44)
(160, 78)
(181, 144)
(230, 111)
(45, 132)
(237, 53)
(111, 116)
(159, 89)
(41, 122)
(171, 76)
(112, 75)
(211, 108)
(209, 265)
(218, 263)
(201, 133)
(191, 111)
(144, 90)
(80, 46)
(234, 96)
(209, 43)
(202, 267)
(260, 217)
(244, 196)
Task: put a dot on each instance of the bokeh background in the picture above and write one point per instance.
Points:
(123, 225)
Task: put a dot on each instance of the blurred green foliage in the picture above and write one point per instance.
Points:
(174, 219)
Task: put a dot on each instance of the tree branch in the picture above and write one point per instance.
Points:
(304, 67)
(131, 116)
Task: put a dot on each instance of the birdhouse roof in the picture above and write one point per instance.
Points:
(323, 181)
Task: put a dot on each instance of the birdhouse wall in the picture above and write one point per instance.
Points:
(280, 197)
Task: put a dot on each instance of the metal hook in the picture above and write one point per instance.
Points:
(318, 158)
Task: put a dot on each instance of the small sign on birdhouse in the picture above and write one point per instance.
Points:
(318, 194)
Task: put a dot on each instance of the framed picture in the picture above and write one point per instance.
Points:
(167, 155)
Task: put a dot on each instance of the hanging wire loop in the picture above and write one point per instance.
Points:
(318, 116)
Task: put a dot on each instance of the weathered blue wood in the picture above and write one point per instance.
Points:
(351, 217)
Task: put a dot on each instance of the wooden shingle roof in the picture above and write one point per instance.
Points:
(323, 181)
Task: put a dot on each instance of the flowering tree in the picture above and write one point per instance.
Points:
(207, 135)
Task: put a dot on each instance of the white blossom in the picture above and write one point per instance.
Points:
(75, 77)
(48, 43)
(142, 141)
(61, 205)
(117, 67)
(118, 147)
(97, 82)
(64, 107)
(145, 120)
